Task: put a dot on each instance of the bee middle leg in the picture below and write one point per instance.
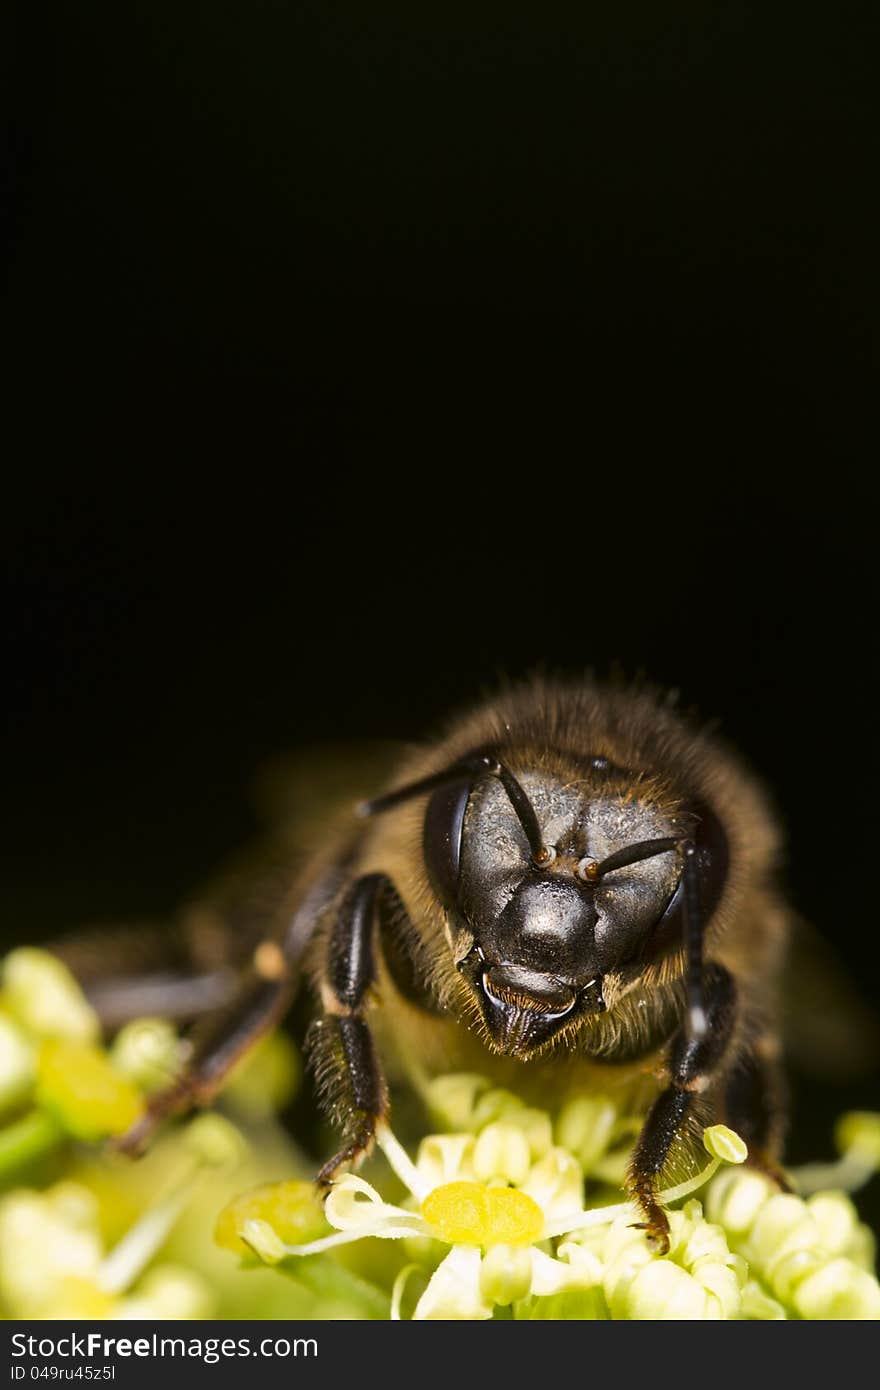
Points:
(690, 1064)
(755, 1105)
(343, 1053)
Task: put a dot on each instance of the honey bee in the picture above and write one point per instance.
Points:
(573, 890)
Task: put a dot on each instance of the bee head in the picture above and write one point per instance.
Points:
(552, 884)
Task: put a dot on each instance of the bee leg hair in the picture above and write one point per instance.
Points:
(690, 1064)
(343, 1052)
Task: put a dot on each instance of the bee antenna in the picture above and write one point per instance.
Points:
(633, 854)
(477, 765)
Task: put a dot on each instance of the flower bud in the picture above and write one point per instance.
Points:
(496, 1104)
(758, 1306)
(293, 1210)
(783, 1226)
(83, 1092)
(662, 1290)
(836, 1219)
(789, 1269)
(502, 1151)
(625, 1253)
(585, 1127)
(859, 1130)
(17, 1065)
(39, 1248)
(839, 1290)
(148, 1052)
(556, 1182)
(721, 1283)
(212, 1140)
(536, 1126)
(862, 1248)
(171, 1292)
(703, 1240)
(76, 1206)
(734, 1199)
(42, 995)
(612, 1167)
(445, 1158)
(452, 1099)
(585, 1264)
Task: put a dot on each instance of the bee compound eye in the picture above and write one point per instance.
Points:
(443, 829)
(588, 870)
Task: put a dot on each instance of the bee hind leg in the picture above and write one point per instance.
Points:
(264, 994)
(690, 1064)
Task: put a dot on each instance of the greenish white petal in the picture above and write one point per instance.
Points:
(454, 1289)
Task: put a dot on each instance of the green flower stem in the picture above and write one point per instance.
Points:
(27, 1140)
(334, 1282)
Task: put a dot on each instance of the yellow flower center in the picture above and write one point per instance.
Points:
(77, 1082)
(467, 1213)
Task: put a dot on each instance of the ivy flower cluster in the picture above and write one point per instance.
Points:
(86, 1233)
(502, 1211)
(54, 1262)
(495, 1221)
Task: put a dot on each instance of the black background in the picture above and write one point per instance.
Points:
(361, 354)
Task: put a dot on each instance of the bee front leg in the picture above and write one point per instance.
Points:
(691, 1062)
(343, 1053)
